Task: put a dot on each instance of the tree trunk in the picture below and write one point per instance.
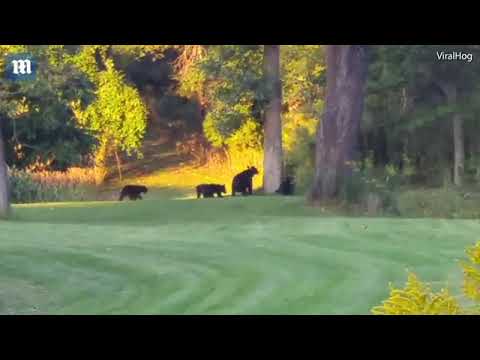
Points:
(476, 153)
(459, 149)
(273, 153)
(458, 135)
(101, 159)
(4, 195)
(119, 164)
(338, 131)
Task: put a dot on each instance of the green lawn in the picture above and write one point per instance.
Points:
(256, 255)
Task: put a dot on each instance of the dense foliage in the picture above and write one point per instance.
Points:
(409, 115)
(229, 79)
(33, 111)
(80, 96)
(97, 99)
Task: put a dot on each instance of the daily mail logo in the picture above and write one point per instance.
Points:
(21, 67)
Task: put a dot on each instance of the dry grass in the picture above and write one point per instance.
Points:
(46, 186)
(73, 177)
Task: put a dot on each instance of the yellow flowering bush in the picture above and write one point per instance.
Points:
(417, 298)
(471, 273)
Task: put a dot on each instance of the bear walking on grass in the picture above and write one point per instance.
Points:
(133, 192)
(242, 182)
(209, 190)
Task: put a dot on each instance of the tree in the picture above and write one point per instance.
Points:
(43, 107)
(118, 116)
(32, 111)
(451, 94)
(337, 133)
(455, 80)
(423, 108)
(4, 195)
(238, 84)
(273, 152)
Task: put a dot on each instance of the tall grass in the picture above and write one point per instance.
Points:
(49, 186)
(72, 177)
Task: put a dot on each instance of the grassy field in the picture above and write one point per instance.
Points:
(256, 255)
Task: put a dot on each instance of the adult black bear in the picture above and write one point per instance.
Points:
(209, 190)
(287, 186)
(242, 182)
(133, 192)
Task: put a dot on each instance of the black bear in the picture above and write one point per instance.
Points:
(133, 192)
(242, 182)
(287, 186)
(209, 190)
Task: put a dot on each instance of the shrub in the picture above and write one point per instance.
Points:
(299, 145)
(374, 189)
(439, 203)
(472, 168)
(417, 298)
(50, 186)
(196, 146)
(471, 272)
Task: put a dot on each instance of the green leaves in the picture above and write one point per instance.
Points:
(118, 113)
(39, 122)
(304, 78)
(231, 78)
(409, 94)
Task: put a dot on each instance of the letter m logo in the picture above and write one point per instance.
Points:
(20, 67)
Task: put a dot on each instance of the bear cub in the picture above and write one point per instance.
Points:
(133, 192)
(287, 186)
(209, 190)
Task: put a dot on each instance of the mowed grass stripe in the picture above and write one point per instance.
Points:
(258, 255)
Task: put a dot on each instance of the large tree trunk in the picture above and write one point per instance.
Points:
(475, 151)
(273, 153)
(459, 149)
(450, 91)
(338, 131)
(4, 195)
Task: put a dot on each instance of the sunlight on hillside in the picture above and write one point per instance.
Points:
(186, 178)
